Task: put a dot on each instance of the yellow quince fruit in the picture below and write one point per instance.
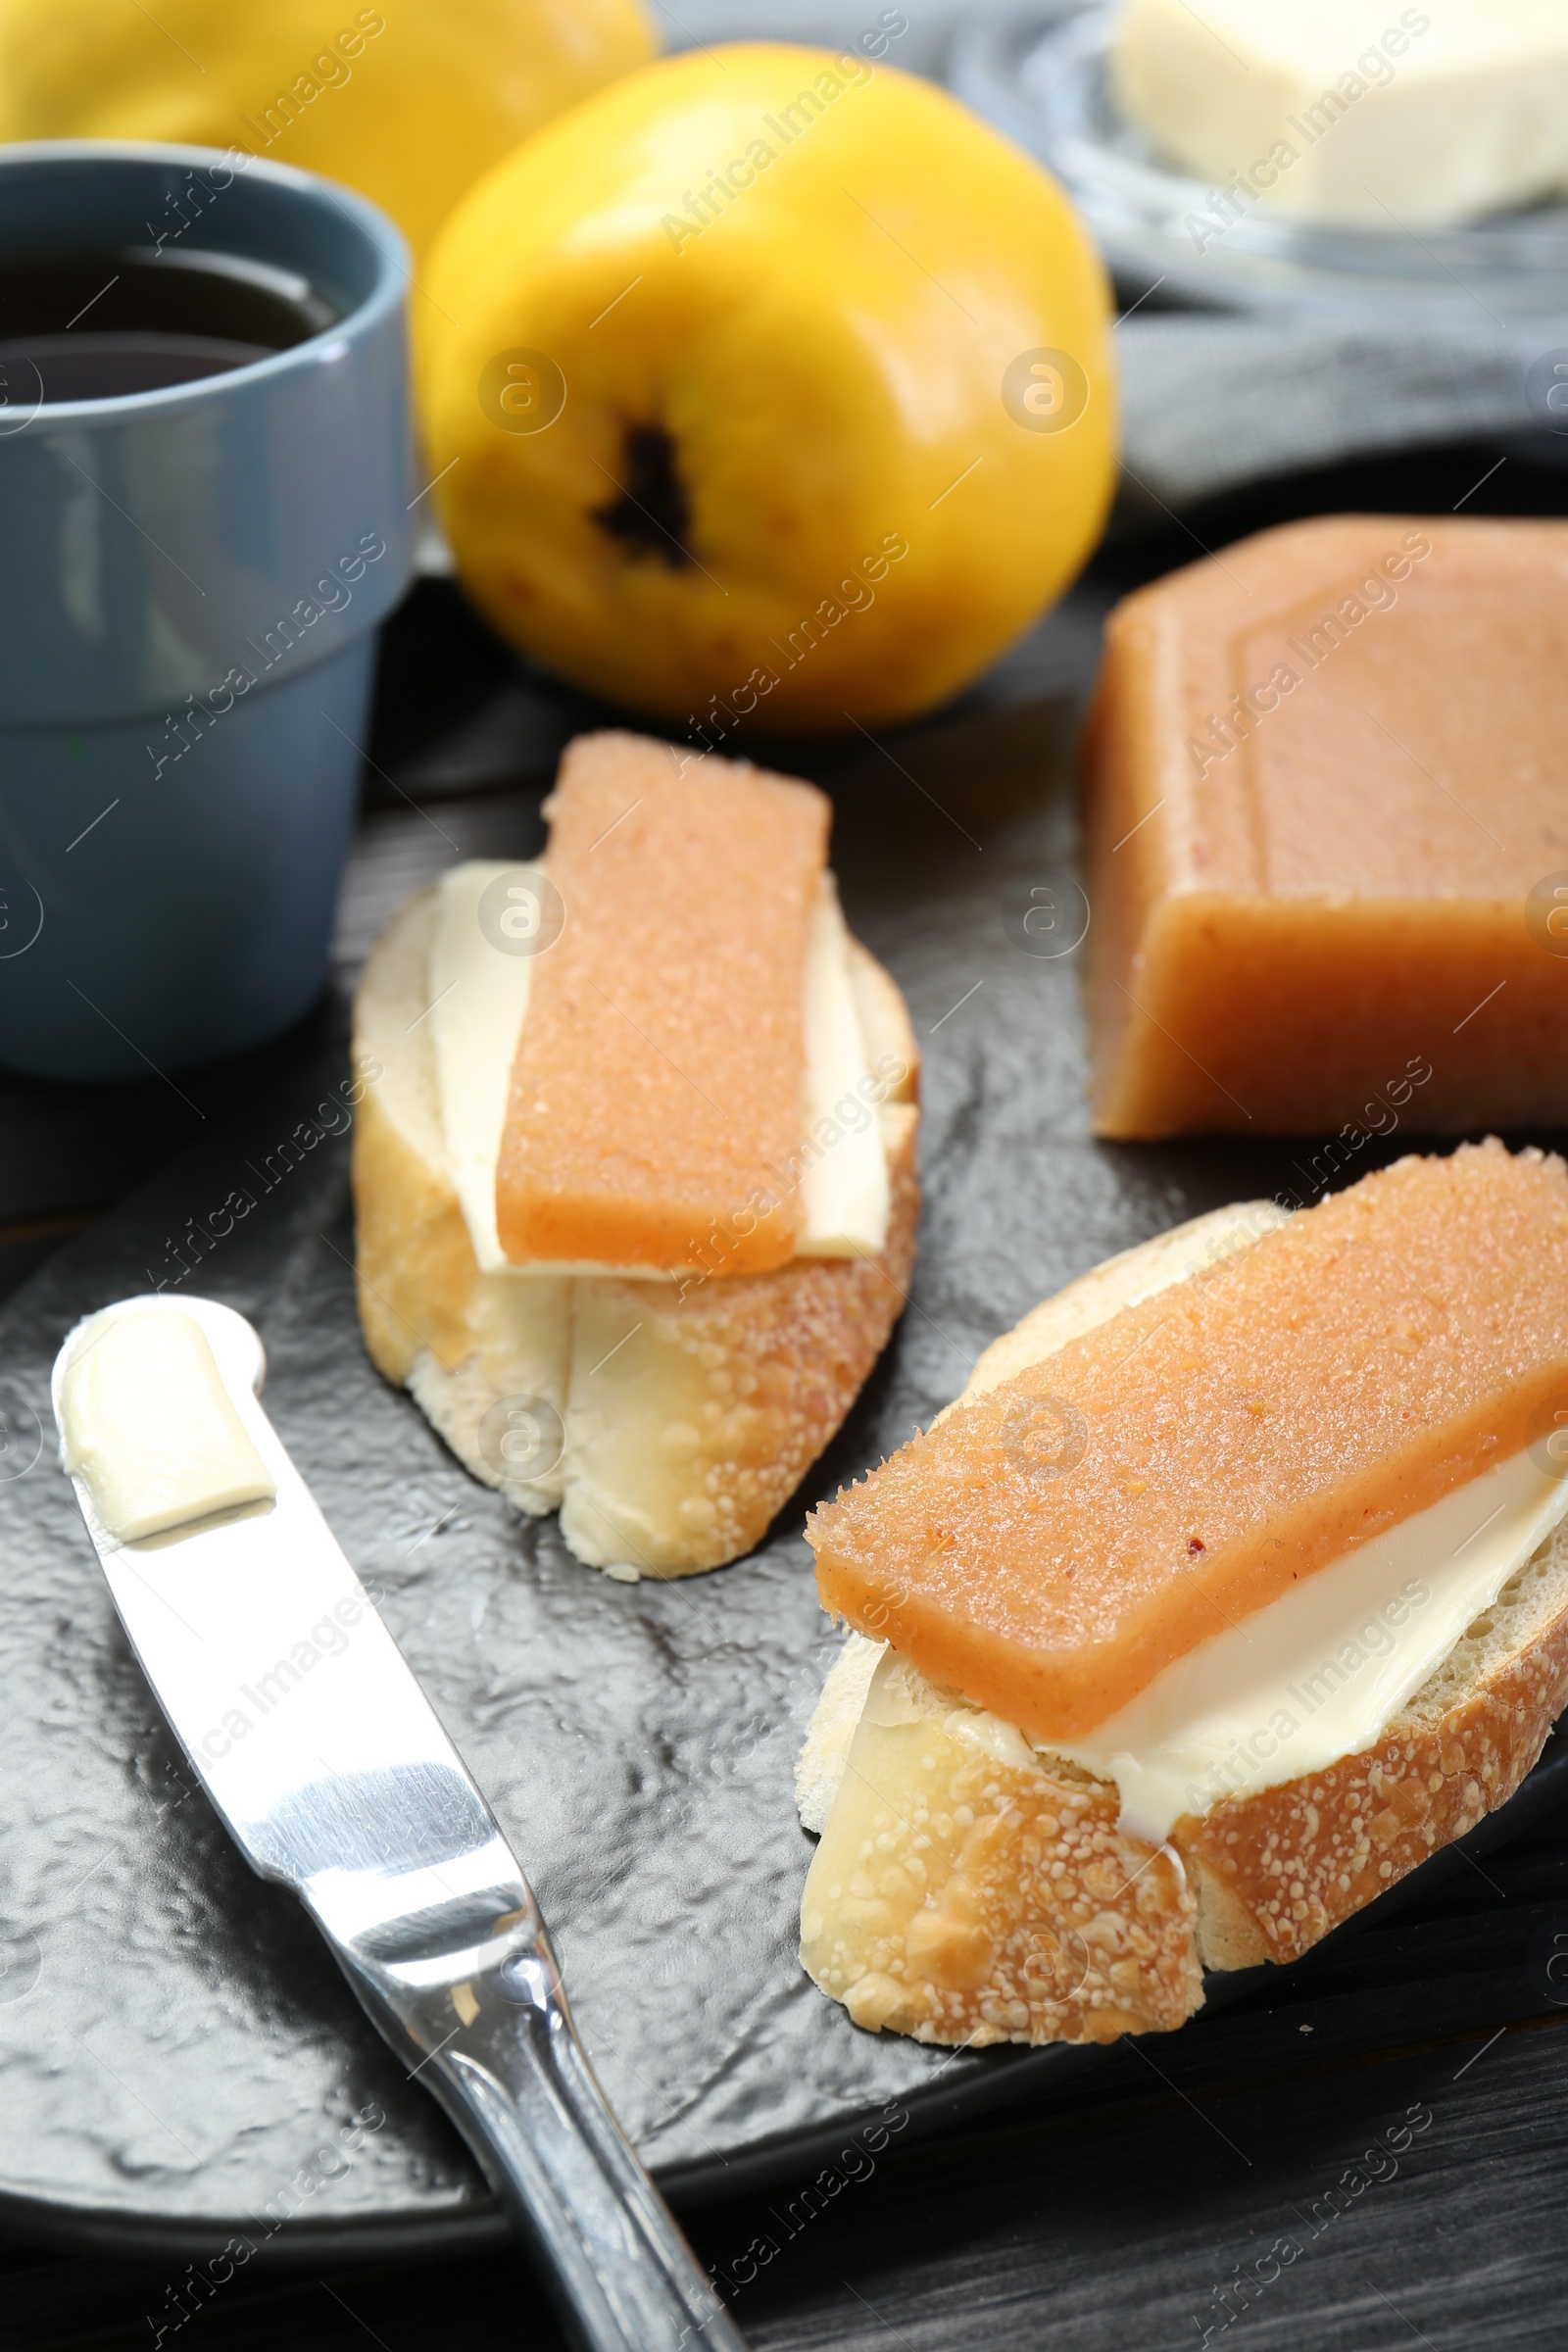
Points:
(409, 101)
(768, 380)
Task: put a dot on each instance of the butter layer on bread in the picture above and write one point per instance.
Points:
(1053, 1545)
(971, 1885)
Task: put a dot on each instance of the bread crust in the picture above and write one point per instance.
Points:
(415, 1266)
(723, 1398)
(689, 1411)
(935, 1950)
(964, 1894)
(1275, 1872)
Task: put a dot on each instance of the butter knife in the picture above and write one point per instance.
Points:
(329, 1768)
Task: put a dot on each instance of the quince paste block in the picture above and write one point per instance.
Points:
(1049, 1547)
(1326, 814)
(658, 1084)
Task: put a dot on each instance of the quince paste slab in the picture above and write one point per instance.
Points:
(1325, 786)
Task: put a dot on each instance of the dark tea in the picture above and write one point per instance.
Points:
(92, 322)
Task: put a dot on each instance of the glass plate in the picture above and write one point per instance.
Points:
(1039, 73)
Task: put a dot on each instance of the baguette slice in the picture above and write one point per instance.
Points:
(971, 1886)
(686, 1415)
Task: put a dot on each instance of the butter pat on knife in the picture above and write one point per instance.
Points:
(148, 1425)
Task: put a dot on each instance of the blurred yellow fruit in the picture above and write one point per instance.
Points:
(409, 101)
(767, 374)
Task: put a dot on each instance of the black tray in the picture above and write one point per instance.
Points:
(179, 2058)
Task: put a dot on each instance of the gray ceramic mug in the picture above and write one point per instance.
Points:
(190, 583)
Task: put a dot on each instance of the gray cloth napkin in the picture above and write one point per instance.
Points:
(1213, 401)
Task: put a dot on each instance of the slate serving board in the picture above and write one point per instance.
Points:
(179, 2062)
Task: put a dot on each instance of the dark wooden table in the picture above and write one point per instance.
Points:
(1372, 2153)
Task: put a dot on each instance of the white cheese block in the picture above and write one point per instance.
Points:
(148, 1425)
(1320, 1672)
(478, 1001)
(1352, 109)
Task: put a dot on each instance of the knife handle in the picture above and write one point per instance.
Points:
(499, 2051)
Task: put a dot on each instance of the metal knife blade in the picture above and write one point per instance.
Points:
(330, 1767)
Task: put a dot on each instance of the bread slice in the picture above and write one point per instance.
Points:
(970, 1886)
(683, 1414)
